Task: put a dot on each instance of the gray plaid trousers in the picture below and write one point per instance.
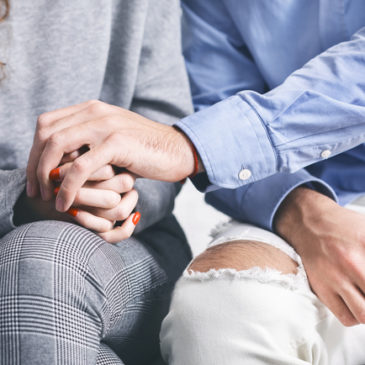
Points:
(68, 297)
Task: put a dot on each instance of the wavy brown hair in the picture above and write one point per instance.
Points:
(4, 12)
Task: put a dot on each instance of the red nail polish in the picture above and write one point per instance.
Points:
(136, 218)
(56, 190)
(73, 212)
(55, 174)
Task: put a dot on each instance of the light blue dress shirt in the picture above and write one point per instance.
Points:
(278, 85)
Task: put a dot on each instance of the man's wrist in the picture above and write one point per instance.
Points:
(192, 164)
(302, 207)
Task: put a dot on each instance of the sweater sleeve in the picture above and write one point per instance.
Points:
(162, 94)
(12, 184)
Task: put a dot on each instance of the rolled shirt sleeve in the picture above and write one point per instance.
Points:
(316, 113)
(257, 203)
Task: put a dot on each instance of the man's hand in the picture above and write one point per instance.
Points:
(114, 136)
(331, 242)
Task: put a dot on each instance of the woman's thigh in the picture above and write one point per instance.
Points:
(64, 289)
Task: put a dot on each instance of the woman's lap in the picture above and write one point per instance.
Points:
(63, 290)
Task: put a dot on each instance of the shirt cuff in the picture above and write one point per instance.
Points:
(258, 203)
(232, 142)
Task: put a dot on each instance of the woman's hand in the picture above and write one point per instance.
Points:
(102, 203)
(331, 242)
(114, 136)
(104, 200)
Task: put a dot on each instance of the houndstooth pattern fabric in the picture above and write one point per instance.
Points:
(68, 297)
(106, 356)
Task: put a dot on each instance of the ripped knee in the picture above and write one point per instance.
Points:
(243, 255)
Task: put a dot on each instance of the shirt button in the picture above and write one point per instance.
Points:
(245, 174)
(326, 154)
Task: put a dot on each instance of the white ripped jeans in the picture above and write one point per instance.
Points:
(254, 317)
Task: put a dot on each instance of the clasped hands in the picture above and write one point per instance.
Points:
(330, 239)
(84, 180)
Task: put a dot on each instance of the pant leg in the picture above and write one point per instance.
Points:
(232, 321)
(106, 356)
(63, 290)
(256, 317)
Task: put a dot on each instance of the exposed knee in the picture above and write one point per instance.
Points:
(243, 255)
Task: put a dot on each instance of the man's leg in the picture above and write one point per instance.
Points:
(64, 291)
(247, 302)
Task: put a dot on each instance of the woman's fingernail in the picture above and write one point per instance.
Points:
(136, 218)
(56, 190)
(73, 212)
(55, 174)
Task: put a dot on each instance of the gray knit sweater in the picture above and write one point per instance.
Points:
(63, 52)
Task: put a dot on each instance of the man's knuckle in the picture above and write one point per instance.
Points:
(113, 139)
(92, 101)
(361, 317)
(350, 258)
(43, 120)
(95, 107)
(342, 285)
(42, 135)
(55, 140)
(347, 320)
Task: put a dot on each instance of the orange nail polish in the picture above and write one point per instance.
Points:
(73, 212)
(136, 218)
(56, 190)
(55, 174)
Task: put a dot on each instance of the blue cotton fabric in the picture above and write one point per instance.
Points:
(277, 84)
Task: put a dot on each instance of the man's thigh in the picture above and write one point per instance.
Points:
(250, 290)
